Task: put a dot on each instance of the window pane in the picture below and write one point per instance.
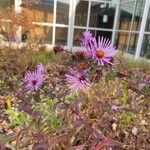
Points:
(81, 13)
(138, 14)
(93, 32)
(4, 4)
(78, 33)
(145, 51)
(122, 40)
(42, 11)
(106, 34)
(37, 33)
(7, 31)
(126, 13)
(133, 43)
(61, 36)
(148, 22)
(102, 15)
(62, 11)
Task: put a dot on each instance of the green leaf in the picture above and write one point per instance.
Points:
(8, 103)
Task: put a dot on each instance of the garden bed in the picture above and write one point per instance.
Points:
(112, 112)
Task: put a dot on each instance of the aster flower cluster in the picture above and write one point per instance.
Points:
(102, 49)
(34, 80)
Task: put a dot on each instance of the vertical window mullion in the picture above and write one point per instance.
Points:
(54, 22)
(115, 25)
(142, 29)
(135, 4)
(19, 29)
(72, 11)
(88, 16)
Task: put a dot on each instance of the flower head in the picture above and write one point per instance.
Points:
(33, 80)
(87, 38)
(40, 68)
(77, 80)
(102, 50)
(114, 107)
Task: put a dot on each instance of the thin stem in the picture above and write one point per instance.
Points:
(99, 136)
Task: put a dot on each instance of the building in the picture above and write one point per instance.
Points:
(126, 22)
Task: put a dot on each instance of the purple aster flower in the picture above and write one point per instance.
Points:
(33, 80)
(87, 38)
(40, 68)
(102, 50)
(114, 107)
(77, 80)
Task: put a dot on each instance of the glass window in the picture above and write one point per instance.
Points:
(39, 32)
(93, 32)
(106, 34)
(138, 15)
(126, 12)
(62, 11)
(61, 36)
(145, 51)
(4, 4)
(122, 41)
(42, 11)
(81, 13)
(148, 22)
(7, 31)
(133, 43)
(78, 33)
(102, 15)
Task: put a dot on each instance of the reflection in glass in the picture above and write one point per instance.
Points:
(145, 51)
(42, 11)
(122, 41)
(133, 43)
(62, 12)
(61, 36)
(102, 15)
(78, 33)
(138, 14)
(81, 13)
(126, 12)
(39, 33)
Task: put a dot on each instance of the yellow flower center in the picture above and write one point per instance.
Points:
(100, 53)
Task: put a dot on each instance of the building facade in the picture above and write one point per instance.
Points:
(125, 22)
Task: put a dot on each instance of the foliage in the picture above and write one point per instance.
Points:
(55, 117)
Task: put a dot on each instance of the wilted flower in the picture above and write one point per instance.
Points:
(40, 68)
(77, 80)
(87, 38)
(33, 80)
(58, 49)
(102, 50)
